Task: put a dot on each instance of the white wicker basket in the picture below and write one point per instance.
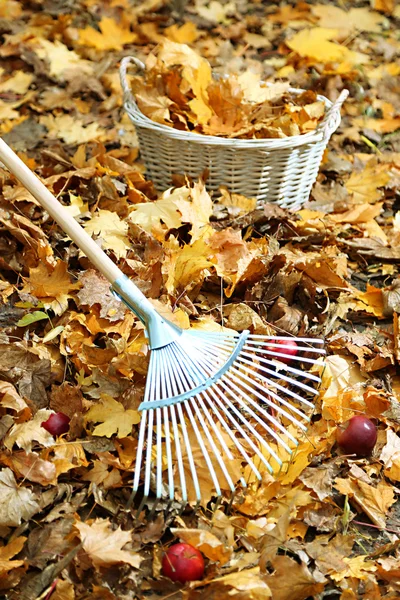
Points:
(271, 170)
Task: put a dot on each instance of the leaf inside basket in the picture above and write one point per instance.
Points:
(177, 89)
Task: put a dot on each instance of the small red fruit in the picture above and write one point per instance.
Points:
(359, 437)
(289, 347)
(57, 423)
(182, 562)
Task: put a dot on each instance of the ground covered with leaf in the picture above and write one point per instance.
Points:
(329, 526)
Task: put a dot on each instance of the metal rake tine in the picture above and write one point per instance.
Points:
(209, 437)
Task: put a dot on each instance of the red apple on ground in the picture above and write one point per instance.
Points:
(57, 424)
(282, 347)
(358, 437)
(182, 562)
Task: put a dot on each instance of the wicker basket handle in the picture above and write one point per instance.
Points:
(331, 118)
(123, 76)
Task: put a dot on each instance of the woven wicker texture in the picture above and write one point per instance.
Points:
(272, 170)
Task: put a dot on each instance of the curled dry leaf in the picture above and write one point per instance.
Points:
(206, 542)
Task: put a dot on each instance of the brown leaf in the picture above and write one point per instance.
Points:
(293, 581)
(96, 290)
(320, 479)
(31, 467)
(274, 539)
(66, 398)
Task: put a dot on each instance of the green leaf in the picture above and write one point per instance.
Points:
(32, 317)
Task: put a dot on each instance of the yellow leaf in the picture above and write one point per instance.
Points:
(196, 208)
(113, 417)
(52, 286)
(186, 34)
(374, 501)
(339, 375)
(10, 9)
(148, 215)
(112, 231)
(364, 184)
(357, 19)
(186, 267)
(215, 11)
(19, 83)
(255, 90)
(314, 43)
(390, 455)
(23, 434)
(6, 552)
(113, 36)
(64, 63)
(206, 542)
(299, 463)
(70, 129)
(361, 213)
(104, 545)
(76, 206)
(357, 567)
(372, 301)
(248, 584)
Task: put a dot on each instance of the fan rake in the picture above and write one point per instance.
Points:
(231, 393)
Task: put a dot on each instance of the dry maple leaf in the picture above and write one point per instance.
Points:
(18, 83)
(17, 503)
(96, 290)
(186, 267)
(112, 36)
(315, 43)
(293, 581)
(52, 286)
(70, 129)
(31, 467)
(215, 11)
(112, 231)
(149, 215)
(248, 584)
(358, 19)
(6, 552)
(64, 63)
(24, 434)
(196, 209)
(356, 567)
(364, 185)
(113, 417)
(104, 545)
(374, 501)
(320, 479)
(100, 474)
(206, 542)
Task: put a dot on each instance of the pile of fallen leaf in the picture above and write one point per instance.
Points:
(177, 89)
(329, 526)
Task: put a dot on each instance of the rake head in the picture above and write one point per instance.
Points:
(232, 398)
